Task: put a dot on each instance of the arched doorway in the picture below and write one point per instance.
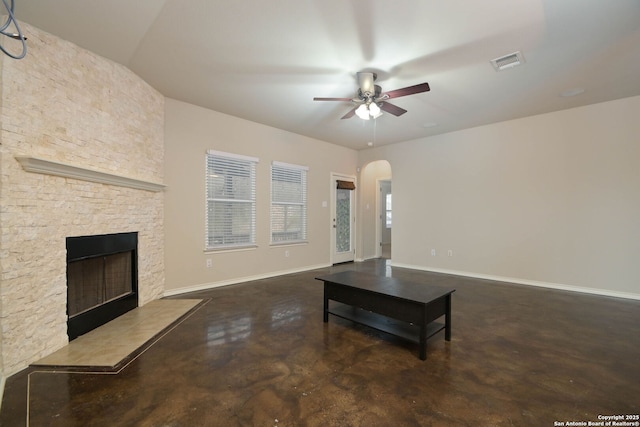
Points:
(376, 219)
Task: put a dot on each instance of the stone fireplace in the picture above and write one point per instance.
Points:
(102, 279)
(81, 154)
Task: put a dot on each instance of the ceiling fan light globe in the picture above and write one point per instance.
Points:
(363, 112)
(374, 110)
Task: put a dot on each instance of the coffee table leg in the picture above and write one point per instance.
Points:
(326, 304)
(423, 342)
(447, 320)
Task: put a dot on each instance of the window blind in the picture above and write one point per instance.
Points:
(288, 203)
(231, 200)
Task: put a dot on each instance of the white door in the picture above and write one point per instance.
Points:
(343, 221)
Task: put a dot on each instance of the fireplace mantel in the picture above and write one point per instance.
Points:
(48, 167)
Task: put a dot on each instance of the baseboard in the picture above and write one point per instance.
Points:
(234, 281)
(363, 259)
(549, 285)
(558, 286)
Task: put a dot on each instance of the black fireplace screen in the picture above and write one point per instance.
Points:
(95, 281)
(101, 280)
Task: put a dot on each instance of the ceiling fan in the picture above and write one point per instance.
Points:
(370, 99)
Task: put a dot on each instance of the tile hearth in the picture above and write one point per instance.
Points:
(111, 343)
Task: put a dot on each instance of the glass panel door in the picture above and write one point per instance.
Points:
(343, 221)
(343, 226)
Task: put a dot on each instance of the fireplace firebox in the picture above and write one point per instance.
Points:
(102, 280)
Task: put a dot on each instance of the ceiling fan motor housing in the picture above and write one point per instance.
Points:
(366, 83)
(370, 96)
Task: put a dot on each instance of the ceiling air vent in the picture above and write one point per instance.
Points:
(508, 61)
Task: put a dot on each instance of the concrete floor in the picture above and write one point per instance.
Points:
(258, 354)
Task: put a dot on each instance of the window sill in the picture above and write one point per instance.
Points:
(292, 243)
(231, 249)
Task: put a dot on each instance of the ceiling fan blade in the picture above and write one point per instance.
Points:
(351, 113)
(333, 99)
(392, 109)
(410, 90)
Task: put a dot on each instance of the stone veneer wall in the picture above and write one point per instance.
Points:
(65, 104)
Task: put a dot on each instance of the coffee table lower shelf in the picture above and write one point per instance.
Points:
(407, 331)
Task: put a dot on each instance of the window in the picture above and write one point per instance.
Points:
(231, 200)
(388, 210)
(288, 203)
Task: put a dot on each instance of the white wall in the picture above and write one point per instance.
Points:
(552, 199)
(189, 132)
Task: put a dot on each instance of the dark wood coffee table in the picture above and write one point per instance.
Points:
(391, 305)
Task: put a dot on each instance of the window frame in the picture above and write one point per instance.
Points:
(302, 235)
(236, 163)
(388, 208)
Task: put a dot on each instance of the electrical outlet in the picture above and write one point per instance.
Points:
(286, 254)
(450, 252)
(209, 263)
(433, 252)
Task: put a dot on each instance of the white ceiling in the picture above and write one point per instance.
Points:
(265, 61)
